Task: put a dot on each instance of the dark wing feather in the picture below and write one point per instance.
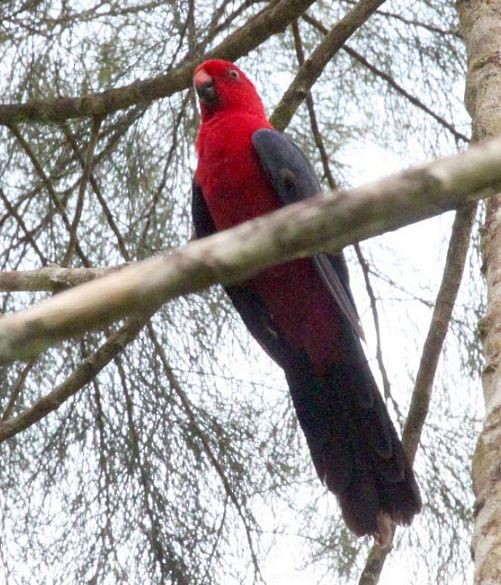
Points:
(248, 304)
(294, 179)
(202, 220)
(287, 167)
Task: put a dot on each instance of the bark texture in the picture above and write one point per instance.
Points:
(481, 28)
(51, 278)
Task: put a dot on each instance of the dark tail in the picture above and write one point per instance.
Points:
(353, 443)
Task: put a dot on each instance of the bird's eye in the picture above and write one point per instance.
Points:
(233, 73)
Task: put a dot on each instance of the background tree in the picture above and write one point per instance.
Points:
(180, 462)
(480, 24)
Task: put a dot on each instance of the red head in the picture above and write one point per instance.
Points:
(223, 87)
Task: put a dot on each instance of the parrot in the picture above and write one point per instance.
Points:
(301, 312)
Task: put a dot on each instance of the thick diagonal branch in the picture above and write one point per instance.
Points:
(299, 230)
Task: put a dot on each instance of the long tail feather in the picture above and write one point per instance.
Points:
(353, 443)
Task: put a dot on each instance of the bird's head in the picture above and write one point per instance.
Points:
(223, 87)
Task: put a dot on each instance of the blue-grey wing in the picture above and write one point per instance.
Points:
(294, 179)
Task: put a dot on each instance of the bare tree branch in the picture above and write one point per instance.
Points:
(48, 185)
(423, 386)
(315, 64)
(84, 373)
(271, 20)
(50, 278)
(459, 136)
(87, 172)
(297, 230)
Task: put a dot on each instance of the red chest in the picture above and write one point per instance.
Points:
(229, 172)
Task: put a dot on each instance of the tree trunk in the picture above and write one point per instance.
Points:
(481, 28)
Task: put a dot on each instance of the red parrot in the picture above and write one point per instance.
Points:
(301, 312)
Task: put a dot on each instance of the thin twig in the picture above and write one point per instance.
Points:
(162, 557)
(48, 185)
(240, 507)
(377, 328)
(20, 221)
(269, 21)
(17, 390)
(414, 22)
(315, 128)
(432, 348)
(97, 191)
(80, 377)
(87, 172)
(313, 67)
(168, 159)
(459, 136)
